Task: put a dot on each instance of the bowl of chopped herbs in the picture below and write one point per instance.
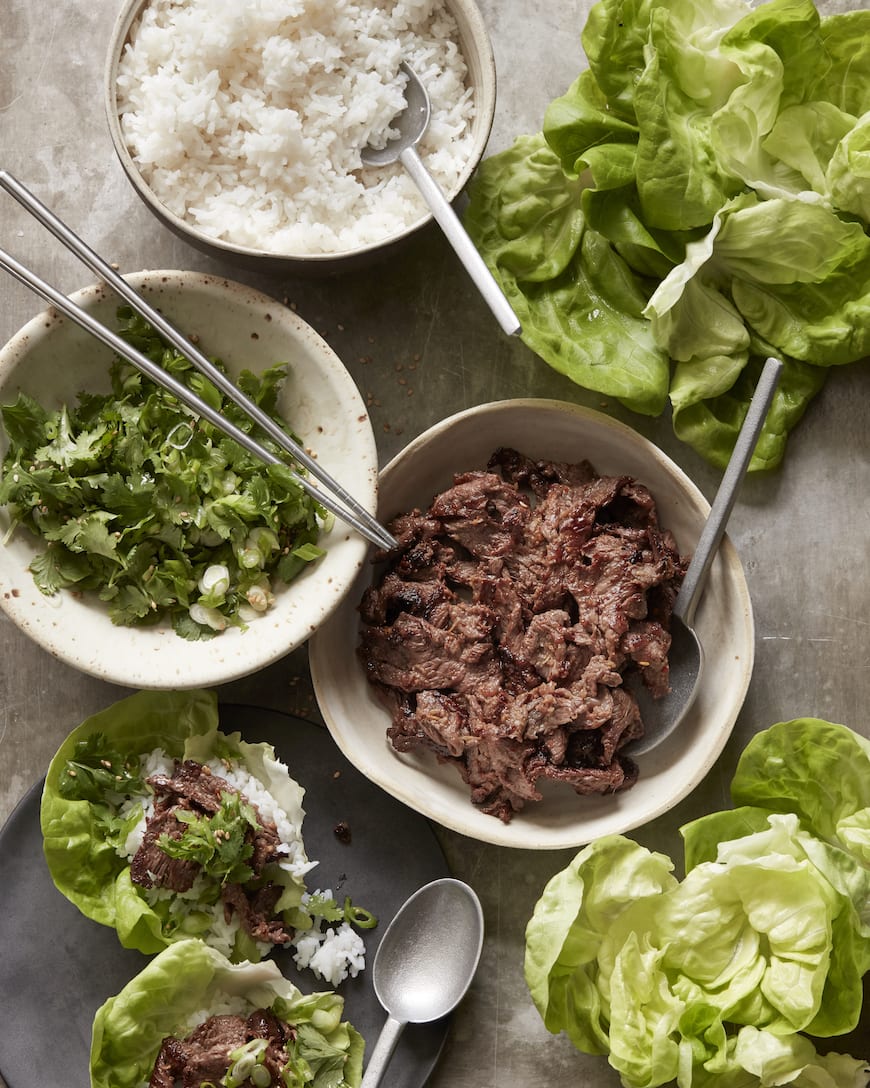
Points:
(140, 543)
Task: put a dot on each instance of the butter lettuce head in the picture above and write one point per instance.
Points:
(666, 981)
(710, 980)
(189, 980)
(717, 151)
(79, 844)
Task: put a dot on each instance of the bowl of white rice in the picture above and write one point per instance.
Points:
(241, 125)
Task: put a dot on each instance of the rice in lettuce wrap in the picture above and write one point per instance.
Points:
(189, 982)
(99, 789)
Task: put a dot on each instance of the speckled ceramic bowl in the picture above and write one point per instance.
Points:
(476, 47)
(52, 359)
(563, 432)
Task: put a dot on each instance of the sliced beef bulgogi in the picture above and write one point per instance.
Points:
(503, 627)
(194, 788)
(203, 1057)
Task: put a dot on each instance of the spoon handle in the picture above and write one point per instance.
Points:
(382, 1052)
(456, 234)
(714, 527)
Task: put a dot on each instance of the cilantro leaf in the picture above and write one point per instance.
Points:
(319, 905)
(216, 842)
(24, 421)
(88, 533)
(95, 769)
(129, 499)
(57, 568)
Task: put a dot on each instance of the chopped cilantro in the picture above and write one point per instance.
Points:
(136, 498)
(319, 905)
(96, 770)
(216, 842)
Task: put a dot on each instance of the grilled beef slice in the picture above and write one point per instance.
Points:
(204, 1055)
(502, 628)
(192, 787)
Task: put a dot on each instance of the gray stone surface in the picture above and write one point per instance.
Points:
(421, 346)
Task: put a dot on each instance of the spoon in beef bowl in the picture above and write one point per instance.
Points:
(686, 656)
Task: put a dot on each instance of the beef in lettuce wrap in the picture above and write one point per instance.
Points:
(191, 1016)
(156, 823)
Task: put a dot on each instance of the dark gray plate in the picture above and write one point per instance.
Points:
(57, 967)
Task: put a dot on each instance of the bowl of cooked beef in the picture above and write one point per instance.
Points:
(486, 671)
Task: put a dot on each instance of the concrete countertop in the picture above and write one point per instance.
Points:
(421, 346)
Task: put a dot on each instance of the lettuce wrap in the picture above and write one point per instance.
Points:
(189, 981)
(719, 979)
(92, 805)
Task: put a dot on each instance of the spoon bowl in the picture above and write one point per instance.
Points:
(686, 655)
(411, 124)
(425, 962)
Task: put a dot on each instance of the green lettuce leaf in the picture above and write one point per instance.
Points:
(758, 1058)
(614, 40)
(844, 78)
(170, 995)
(817, 769)
(680, 178)
(579, 303)
(848, 173)
(79, 838)
(804, 138)
(710, 399)
(581, 122)
(708, 173)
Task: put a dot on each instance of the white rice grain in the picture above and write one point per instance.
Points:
(333, 954)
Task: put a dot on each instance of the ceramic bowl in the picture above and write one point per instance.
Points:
(543, 430)
(52, 359)
(476, 48)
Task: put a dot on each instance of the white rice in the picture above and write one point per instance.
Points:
(332, 955)
(246, 117)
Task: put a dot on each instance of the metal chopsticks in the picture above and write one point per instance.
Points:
(340, 502)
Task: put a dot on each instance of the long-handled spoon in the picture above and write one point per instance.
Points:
(686, 657)
(424, 963)
(412, 123)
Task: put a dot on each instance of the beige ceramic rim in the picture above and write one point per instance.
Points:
(323, 405)
(482, 75)
(544, 428)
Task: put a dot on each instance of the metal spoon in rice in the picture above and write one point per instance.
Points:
(412, 123)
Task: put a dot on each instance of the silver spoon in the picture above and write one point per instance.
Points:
(412, 123)
(425, 962)
(686, 657)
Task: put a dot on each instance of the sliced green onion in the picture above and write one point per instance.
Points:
(358, 916)
(261, 1077)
